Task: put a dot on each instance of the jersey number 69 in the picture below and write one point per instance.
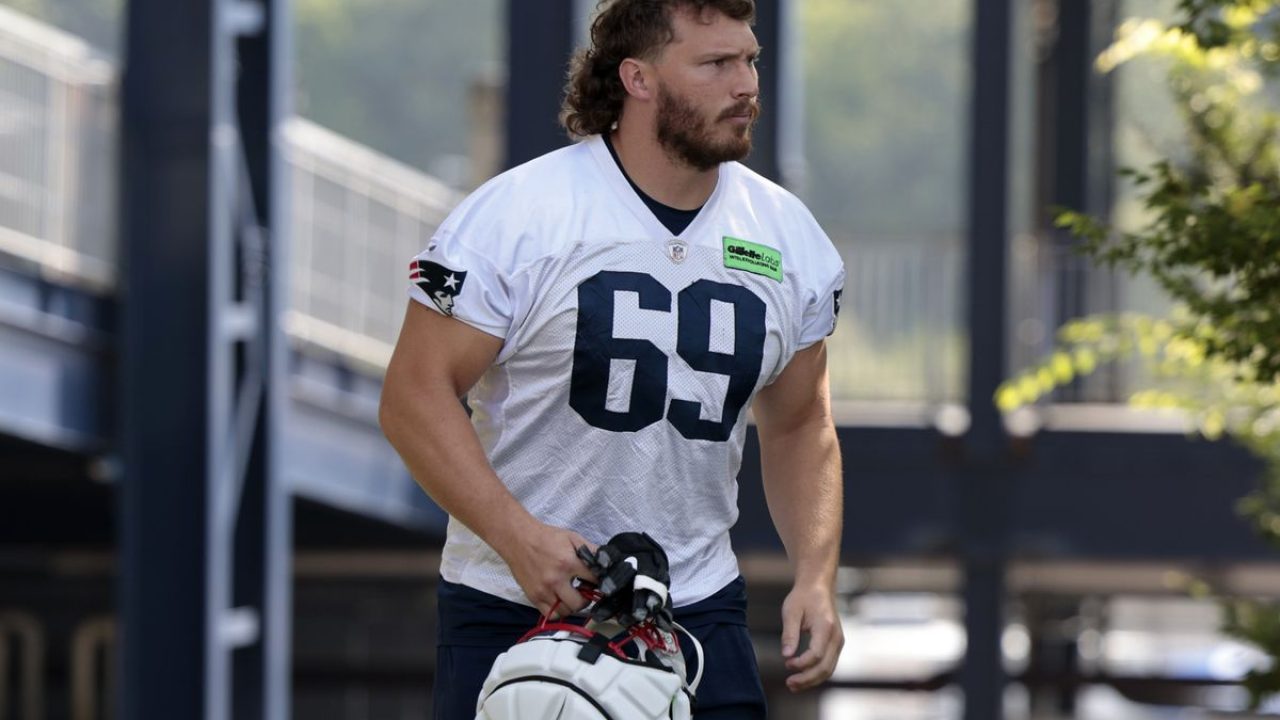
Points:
(595, 346)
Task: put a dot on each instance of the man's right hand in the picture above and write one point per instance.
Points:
(543, 559)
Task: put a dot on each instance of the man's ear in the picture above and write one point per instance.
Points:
(636, 79)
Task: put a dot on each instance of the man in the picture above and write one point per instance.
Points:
(611, 310)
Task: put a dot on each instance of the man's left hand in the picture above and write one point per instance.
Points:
(810, 611)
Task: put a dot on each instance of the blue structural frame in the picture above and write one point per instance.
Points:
(56, 360)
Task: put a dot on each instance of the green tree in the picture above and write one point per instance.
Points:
(884, 87)
(394, 74)
(1211, 240)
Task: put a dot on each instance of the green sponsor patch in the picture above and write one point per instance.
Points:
(758, 259)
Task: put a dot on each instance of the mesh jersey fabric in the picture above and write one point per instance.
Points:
(630, 355)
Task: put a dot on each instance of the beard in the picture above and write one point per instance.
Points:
(687, 136)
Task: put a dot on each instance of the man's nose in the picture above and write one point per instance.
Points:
(747, 81)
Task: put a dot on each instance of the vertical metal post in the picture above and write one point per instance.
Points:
(1073, 123)
(1098, 147)
(1063, 125)
(264, 533)
(1053, 658)
(540, 38)
(985, 477)
(1104, 284)
(205, 525)
(165, 173)
(771, 30)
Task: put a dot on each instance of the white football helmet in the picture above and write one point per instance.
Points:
(568, 672)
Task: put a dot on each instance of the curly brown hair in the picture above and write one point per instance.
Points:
(625, 29)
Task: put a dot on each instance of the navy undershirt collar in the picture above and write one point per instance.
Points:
(674, 219)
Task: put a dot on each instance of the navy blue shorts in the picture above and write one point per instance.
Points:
(475, 627)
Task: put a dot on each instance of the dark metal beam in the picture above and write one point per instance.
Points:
(985, 482)
(263, 533)
(771, 32)
(56, 360)
(540, 40)
(1073, 160)
(205, 525)
(166, 158)
(1081, 496)
(1074, 118)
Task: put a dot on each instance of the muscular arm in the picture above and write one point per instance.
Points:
(803, 484)
(436, 361)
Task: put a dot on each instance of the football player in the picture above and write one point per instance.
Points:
(612, 310)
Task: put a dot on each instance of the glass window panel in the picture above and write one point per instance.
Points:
(885, 106)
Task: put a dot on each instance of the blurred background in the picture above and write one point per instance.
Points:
(205, 212)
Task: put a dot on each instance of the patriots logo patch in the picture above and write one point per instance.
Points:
(440, 283)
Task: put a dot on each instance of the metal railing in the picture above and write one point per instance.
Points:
(57, 144)
(358, 217)
(901, 335)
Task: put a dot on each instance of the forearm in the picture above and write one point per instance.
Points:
(804, 487)
(433, 435)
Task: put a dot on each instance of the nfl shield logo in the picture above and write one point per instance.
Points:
(677, 250)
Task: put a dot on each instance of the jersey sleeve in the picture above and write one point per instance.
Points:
(453, 279)
(822, 301)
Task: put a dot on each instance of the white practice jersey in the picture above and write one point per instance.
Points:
(618, 401)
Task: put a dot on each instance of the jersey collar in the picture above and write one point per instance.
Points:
(618, 183)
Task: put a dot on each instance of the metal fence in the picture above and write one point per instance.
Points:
(57, 140)
(358, 218)
(901, 336)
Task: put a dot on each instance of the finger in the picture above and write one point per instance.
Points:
(571, 600)
(576, 541)
(562, 599)
(792, 621)
(823, 637)
(821, 670)
(805, 680)
(547, 609)
(580, 568)
(804, 660)
(819, 639)
(810, 677)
